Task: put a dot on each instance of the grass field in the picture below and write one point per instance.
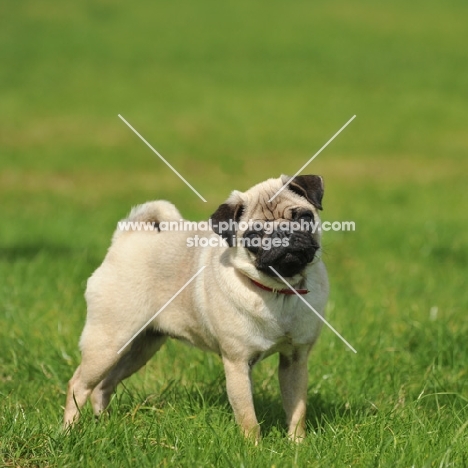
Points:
(233, 93)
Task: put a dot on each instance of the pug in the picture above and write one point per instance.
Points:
(238, 294)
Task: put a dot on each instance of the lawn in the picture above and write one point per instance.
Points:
(232, 93)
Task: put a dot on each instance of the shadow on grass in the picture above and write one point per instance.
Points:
(320, 413)
(212, 396)
(31, 251)
(28, 252)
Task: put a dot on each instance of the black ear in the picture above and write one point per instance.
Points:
(309, 187)
(223, 221)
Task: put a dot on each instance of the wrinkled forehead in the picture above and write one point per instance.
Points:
(257, 205)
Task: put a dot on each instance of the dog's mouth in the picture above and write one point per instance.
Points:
(288, 265)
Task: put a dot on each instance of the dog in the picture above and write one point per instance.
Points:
(238, 306)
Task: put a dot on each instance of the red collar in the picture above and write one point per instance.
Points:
(286, 291)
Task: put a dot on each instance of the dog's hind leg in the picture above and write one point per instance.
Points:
(98, 358)
(141, 350)
(102, 367)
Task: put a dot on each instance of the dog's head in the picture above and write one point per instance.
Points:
(282, 233)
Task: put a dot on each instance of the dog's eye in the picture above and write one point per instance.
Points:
(253, 235)
(254, 241)
(306, 218)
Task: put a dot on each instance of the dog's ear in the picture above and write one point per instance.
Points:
(308, 186)
(224, 219)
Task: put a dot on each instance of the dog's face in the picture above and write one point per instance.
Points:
(283, 234)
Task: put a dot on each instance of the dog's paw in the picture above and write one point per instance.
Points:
(253, 433)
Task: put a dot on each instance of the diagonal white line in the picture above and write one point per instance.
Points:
(313, 310)
(312, 158)
(161, 309)
(162, 159)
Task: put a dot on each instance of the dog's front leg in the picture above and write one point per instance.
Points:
(293, 384)
(239, 390)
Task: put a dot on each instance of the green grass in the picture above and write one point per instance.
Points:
(232, 93)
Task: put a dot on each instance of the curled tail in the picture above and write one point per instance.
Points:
(146, 217)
